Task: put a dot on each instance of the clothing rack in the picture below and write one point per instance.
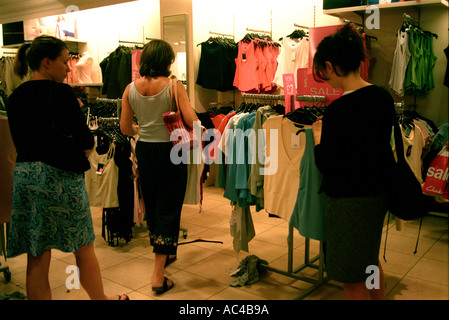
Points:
(131, 42)
(400, 107)
(262, 96)
(406, 17)
(222, 34)
(278, 98)
(214, 104)
(311, 98)
(259, 31)
(308, 98)
(93, 123)
(108, 100)
(309, 262)
(302, 27)
(110, 120)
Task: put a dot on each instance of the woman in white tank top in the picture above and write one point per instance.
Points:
(163, 183)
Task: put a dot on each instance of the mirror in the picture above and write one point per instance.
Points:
(175, 33)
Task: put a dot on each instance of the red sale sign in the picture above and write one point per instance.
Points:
(289, 91)
(308, 86)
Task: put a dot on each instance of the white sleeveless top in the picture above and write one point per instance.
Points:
(148, 111)
(400, 62)
(102, 188)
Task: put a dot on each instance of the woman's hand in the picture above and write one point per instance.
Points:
(135, 129)
(316, 129)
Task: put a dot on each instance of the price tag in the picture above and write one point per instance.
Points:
(296, 143)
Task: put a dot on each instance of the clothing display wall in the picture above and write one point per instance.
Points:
(256, 64)
(293, 56)
(413, 62)
(217, 64)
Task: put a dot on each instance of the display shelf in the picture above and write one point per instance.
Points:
(68, 41)
(74, 41)
(12, 46)
(350, 12)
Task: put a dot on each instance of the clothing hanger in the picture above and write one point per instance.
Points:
(298, 34)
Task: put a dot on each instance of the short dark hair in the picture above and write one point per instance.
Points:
(157, 57)
(31, 54)
(344, 49)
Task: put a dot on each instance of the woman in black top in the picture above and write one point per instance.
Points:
(354, 154)
(50, 207)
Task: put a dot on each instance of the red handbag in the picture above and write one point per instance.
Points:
(179, 132)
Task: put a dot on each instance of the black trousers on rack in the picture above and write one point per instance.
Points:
(163, 188)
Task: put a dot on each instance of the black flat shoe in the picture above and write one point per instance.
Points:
(164, 288)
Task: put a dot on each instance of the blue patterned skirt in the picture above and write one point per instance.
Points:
(50, 210)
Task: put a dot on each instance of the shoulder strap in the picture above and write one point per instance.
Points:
(174, 94)
(398, 142)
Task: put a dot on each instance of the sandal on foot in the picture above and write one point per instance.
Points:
(164, 288)
(126, 297)
(170, 260)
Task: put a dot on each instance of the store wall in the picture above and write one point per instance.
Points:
(235, 16)
(104, 27)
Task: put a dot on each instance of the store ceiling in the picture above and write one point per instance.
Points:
(20, 10)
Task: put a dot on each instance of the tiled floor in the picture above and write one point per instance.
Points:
(202, 271)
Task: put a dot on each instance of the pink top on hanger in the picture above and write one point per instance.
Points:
(246, 78)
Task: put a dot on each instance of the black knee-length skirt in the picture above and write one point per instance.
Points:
(353, 228)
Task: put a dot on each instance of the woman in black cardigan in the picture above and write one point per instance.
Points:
(352, 150)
